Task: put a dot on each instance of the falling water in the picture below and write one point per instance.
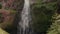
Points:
(25, 18)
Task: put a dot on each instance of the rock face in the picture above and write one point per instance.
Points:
(9, 13)
(7, 17)
(13, 4)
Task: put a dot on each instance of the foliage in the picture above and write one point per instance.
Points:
(42, 15)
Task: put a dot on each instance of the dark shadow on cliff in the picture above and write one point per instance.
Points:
(41, 19)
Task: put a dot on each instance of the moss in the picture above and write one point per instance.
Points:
(3, 32)
(12, 11)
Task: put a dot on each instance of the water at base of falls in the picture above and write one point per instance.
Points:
(23, 27)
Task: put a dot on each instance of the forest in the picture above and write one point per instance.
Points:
(40, 16)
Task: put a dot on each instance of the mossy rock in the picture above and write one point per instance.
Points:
(3, 32)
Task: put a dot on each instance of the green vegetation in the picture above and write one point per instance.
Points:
(42, 15)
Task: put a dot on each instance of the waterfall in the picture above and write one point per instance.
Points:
(25, 18)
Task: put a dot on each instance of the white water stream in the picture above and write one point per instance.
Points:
(25, 18)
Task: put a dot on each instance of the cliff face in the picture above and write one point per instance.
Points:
(13, 4)
(9, 14)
